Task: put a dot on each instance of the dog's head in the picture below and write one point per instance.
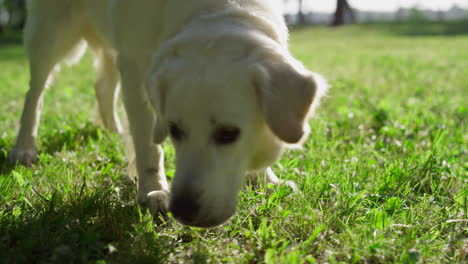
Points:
(226, 115)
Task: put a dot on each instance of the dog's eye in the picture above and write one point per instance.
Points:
(226, 135)
(175, 131)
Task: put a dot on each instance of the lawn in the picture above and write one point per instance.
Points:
(383, 175)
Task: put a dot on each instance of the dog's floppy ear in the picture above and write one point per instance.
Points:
(286, 91)
(156, 91)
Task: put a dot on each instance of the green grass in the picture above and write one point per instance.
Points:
(383, 176)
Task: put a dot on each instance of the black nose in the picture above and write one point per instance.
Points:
(185, 208)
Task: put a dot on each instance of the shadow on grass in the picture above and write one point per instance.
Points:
(11, 47)
(70, 139)
(11, 38)
(78, 228)
(5, 166)
(408, 28)
(423, 28)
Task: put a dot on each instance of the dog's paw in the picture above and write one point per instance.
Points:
(157, 202)
(24, 157)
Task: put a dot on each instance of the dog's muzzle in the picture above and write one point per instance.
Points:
(187, 210)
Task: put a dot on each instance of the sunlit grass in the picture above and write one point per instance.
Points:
(383, 176)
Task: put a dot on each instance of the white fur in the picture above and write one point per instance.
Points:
(206, 64)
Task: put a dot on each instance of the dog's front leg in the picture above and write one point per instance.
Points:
(24, 151)
(153, 190)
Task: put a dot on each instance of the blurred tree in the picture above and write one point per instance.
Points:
(343, 13)
(416, 15)
(300, 11)
(12, 13)
(2, 14)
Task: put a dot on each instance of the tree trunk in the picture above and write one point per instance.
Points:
(343, 9)
(300, 13)
(350, 12)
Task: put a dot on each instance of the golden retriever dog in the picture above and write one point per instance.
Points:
(215, 76)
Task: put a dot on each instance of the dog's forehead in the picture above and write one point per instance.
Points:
(215, 108)
(210, 97)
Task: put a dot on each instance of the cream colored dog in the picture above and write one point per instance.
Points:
(217, 74)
